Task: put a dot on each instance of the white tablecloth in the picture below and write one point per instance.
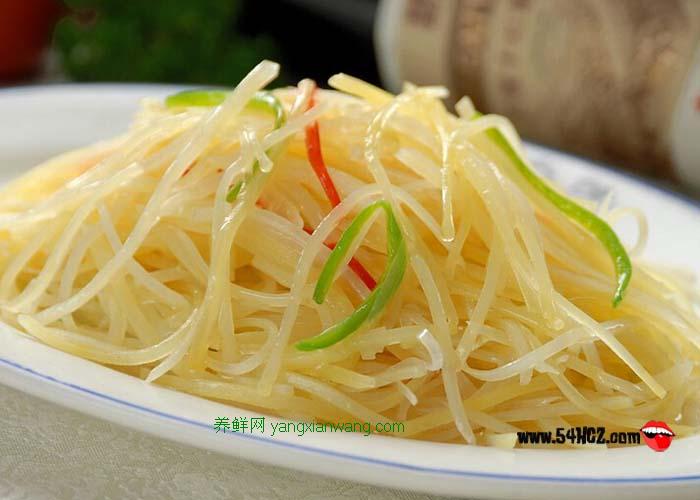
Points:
(49, 452)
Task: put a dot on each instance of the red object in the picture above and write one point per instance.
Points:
(354, 264)
(359, 270)
(25, 31)
(313, 150)
(657, 435)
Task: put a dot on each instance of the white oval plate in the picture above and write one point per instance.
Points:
(37, 122)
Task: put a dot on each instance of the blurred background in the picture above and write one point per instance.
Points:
(614, 80)
(213, 42)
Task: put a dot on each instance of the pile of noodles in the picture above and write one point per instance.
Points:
(128, 253)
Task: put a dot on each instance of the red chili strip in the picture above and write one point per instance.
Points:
(313, 151)
(354, 264)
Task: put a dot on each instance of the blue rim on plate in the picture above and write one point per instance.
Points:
(349, 456)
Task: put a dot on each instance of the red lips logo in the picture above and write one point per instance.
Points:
(657, 435)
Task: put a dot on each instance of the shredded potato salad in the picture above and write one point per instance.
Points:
(348, 254)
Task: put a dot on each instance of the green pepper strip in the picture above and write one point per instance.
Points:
(594, 224)
(262, 101)
(196, 98)
(380, 296)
